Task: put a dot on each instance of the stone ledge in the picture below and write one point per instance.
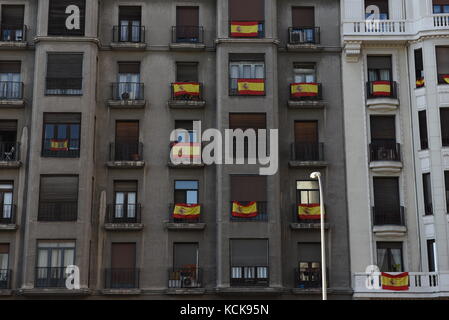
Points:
(53, 292)
(186, 104)
(8, 227)
(390, 231)
(187, 46)
(6, 292)
(126, 104)
(185, 226)
(128, 46)
(386, 166)
(12, 103)
(125, 164)
(308, 164)
(14, 45)
(186, 291)
(248, 40)
(304, 47)
(383, 104)
(121, 292)
(123, 226)
(10, 164)
(308, 226)
(306, 104)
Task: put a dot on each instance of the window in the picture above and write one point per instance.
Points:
(307, 197)
(129, 86)
(379, 68)
(187, 24)
(304, 72)
(9, 148)
(64, 74)
(58, 199)
(303, 26)
(125, 201)
(123, 273)
(419, 69)
(247, 74)
(309, 266)
(389, 256)
(247, 18)
(4, 266)
(248, 198)
(130, 29)
(10, 80)
(187, 72)
(127, 145)
(249, 262)
(423, 135)
(61, 135)
(185, 273)
(52, 261)
(60, 17)
(431, 255)
(6, 202)
(307, 146)
(186, 192)
(444, 119)
(443, 64)
(12, 25)
(383, 139)
(446, 183)
(427, 189)
(440, 6)
(377, 6)
(387, 208)
(247, 121)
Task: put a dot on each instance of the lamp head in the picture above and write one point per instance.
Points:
(315, 175)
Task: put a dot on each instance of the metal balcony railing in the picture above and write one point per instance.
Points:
(385, 151)
(13, 33)
(50, 277)
(8, 213)
(132, 151)
(239, 32)
(388, 216)
(128, 91)
(5, 279)
(304, 91)
(122, 278)
(304, 35)
(62, 211)
(133, 34)
(249, 276)
(187, 219)
(11, 90)
(120, 213)
(262, 212)
(308, 276)
(65, 148)
(185, 278)
(9, 151)
(302, 151)
(186, 95)
(187, 34)
(64, 86)
(382, 89)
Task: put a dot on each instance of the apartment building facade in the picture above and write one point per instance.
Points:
(395, 59)
(86, 113)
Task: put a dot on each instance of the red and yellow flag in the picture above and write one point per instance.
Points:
(309, 211)
(186, 211)
(382, 88)
(253, 87)
(299, 90)
(420, 83)
(186, 88)
(446, 78)
(186, 150)
(399, 282)
(59, 145)
(245, 29)
(241, 211)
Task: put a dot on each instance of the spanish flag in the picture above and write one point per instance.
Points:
(253, 87)
(299, 90)
(382, 88)
(59, 145)
(399, 282)
(186, 150)
(420, 83)
(241, 211)
(244, 29)
(446, 78)
(186, 88)
(186, 211)
(309, 211)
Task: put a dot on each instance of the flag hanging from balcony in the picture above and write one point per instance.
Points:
(59, 145)
(186, 88)
(244, 211)
(252, 87)
(399, 282)
(244, 29)
(382, 88)
(309, 211)
(299, 90)
(186, 211)
(446, 78)
(186, 150)
(420, 83)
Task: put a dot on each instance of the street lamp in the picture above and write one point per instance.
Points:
(317, 175)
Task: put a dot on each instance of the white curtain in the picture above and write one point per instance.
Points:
(119, 202)
(128, 83)
(131, 205)
(7, 205)
(10, 85)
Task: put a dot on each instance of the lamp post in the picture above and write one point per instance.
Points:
(317, 175)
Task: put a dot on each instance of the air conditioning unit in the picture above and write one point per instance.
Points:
(187, 281)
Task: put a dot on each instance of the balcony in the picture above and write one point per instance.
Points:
(62, 211)
(10, 155)
(247, 87)
(186, 280)
(306, 96)
(308, 276)
(385, 156)
(13, 37)
(122, 279)
(11, 94)
(304, 38)
(126, 156)
(127, 95)
(186, 95)
(397, 28)
(8, 217)
(389, 222)
(5, 279)
(121, 217)
(304, 223)
(50, 277)
(128, 38)
(247, 214)
(64, 87)
(247, 29)
(185, 220)
(249, 276)
(190, 38)
(61, 148)
(307, 155)
(382, 95)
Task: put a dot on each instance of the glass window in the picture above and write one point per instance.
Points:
(61, 135)
(186, 192)
(308, 192)
(389, 256)
(6, 200)
(304, 73)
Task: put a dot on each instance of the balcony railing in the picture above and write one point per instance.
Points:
(13, 33)
(262, 212)
(306, 91)
(304, 35)
(388, 216)
(247, 87)
(11, 90)
(8, 214)
(381, 89)
(187, 91)
(122, 278)
(127, 91)
(385, 151)
(249, 276)
(185, 278)
(9, 151)
(50, 277)
(133, 34)
(187, 219)
(120, 213)
(441, 21)
(5, 279)
(61, 148)
(246, 29)
(187, 34)
(376, 27)
(308, 276)
(132, 151)
(302, 151)
(64, 86)
(58, 211)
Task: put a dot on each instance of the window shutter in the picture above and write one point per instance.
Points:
(184, 124)
(12, 15)
(238, 57)
(248, 10)
(74, 118)
(59, 188)
(247, 121)
(303, 17)
(127, 131)
(248, 188)
(129, 67)
(383, 128)
(249, 253)
(187, 71)
(185, 254)
(57, 17)
(130, 13)
(65, 65)
(10, 66)
(123, 255)
(187, 16)
(386, 194)
(4, 248)
(306, 132)
(8, 125)
(125, 186)
(442, 60)
(309, 252)
(379, 62)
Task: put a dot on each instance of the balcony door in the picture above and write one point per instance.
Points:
(383, 138)
(374, 7)
(123, 272)
(387, 207)
(4, 266)
(309, 265)
(52, 260)
(303, 23)
(249, 197)
(6, 201)
(125, 203)
(10, 80)
(306, 141)
(130, 23)
(12, 28)
(128, 81)
(380, 68)
(185, 273)
(8, 138)
(187, 22)
(389, 256)
(304, 73)
(127, 141)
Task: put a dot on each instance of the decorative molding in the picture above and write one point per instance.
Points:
(353, 50)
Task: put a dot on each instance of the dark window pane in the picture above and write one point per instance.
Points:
(444, 118)
(57, 17)
(423, 130)
(247, 10)
(249, 253)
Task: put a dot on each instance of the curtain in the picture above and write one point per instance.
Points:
(382, 259)
(119, 202)
(10, 86)
(131, 205)
(129, 83)
(7, 205)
